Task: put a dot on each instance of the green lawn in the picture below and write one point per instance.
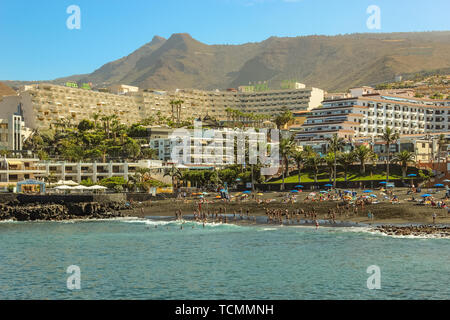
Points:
(325, 177)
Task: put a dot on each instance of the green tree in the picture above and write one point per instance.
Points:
(42, 155)
(329, 160)
(313, 163)
(286, 148)
(345, 161)
(300, 159)
(131, 149)
(175, 174)
(404, 158)
(335, 144)
(442, 145)
(389, 137)
(96, 116)
(363, 154)
(149, 153)
(228, 175)
(87, 182)
(282, 119)
(115, 183)
(176, 104)
(85, 125)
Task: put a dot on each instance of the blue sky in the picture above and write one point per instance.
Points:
(37, 45)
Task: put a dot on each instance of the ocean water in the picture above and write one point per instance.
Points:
(131, 259)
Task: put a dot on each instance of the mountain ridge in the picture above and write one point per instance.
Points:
(329, 62)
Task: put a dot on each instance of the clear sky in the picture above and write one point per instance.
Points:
(37, 45)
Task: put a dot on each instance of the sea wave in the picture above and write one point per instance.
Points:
(149, 221)
(9, 221)
(268, 229)
(372, 231)
(186, 223)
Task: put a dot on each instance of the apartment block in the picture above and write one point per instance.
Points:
(13, 170)
(205, 146)
(45, 105)
(95, 171)
(369, 115)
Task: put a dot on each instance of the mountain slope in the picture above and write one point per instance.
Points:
(328, 62)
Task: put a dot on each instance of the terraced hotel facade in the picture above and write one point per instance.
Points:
(47, 104)
(369, 115)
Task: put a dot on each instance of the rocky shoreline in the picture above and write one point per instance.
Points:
(14, 210)
(420, 230)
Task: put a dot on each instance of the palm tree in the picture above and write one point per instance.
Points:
(363, 155)
(300, 159)
(50, 178)
(330, 161)
(390, 137)
(141, 177)
(346, 160)
(404, 158)
(286, 148)
(106, 123)
(103, 149)
(313, 162)
(442, 141)
(96, 116)
(283, 118)
(373, 163)
(335, 144)
(177, 104)
(174, 173)
(308, 150)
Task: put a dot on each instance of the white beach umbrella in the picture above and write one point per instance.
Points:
(70, 183)
(80, 187)
(63, 188)
(97, 187)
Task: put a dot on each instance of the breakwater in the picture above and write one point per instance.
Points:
(22, 207)
(418, 230)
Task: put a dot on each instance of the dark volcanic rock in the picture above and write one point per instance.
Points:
(84, 210)
(420, 230)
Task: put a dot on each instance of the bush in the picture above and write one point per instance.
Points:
(87, 183)
(112, 182)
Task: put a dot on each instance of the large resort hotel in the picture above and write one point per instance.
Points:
(369, 115)
(46, 104)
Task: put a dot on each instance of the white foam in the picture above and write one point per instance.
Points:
(9, 221)
(268, 229)
(372, 231)
(149, 222)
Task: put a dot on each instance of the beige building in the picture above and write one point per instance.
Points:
(47, 104)
(13, 170)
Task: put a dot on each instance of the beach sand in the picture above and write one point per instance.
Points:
(404, 212)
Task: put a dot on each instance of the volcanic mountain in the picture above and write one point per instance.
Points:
(329, 62)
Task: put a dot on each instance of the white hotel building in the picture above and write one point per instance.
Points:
(204, 149)
(47, 104)
(369, 115)
(19, 169)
